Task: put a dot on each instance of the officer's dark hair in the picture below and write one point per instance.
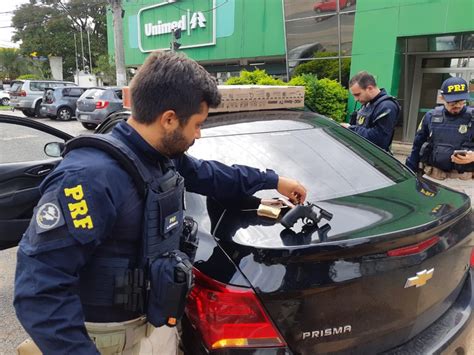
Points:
(363, 79)
(171, 81)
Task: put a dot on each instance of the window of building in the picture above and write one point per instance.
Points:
(319, 36)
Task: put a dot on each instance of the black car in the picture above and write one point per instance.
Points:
(383, 262)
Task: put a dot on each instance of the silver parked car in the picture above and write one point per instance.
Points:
(60, 103)
(96, 104)
(27, 95)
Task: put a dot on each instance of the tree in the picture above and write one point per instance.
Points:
(12, 64)
(52, 30)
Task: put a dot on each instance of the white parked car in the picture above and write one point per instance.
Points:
(4, 98)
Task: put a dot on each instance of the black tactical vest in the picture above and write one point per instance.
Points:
(112, 281)
(448, 135)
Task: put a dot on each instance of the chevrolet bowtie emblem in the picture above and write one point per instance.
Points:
(420, 279)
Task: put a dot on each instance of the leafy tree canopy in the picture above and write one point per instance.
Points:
(47, 28)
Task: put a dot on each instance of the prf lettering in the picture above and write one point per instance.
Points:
(456, 88)
(78, 209)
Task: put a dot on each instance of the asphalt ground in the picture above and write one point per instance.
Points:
(12, 333)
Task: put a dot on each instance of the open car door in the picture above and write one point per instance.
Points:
(23, 166)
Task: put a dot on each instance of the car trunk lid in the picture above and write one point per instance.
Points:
(362, 290)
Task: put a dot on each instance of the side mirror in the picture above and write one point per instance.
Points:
(54, 149)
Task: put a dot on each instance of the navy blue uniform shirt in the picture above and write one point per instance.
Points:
(376, 122)
(90, 208)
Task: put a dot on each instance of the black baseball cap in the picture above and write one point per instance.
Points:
(455, 89)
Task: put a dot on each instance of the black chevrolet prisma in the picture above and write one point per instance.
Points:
(379, 261)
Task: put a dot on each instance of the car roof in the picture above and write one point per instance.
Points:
(252, 122)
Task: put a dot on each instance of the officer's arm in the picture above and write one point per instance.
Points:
(421, 137)
(212, 178)
(385, 119)
(65, 229)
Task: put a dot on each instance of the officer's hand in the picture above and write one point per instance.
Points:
(345, 125)
(291, 189)
(463, 159)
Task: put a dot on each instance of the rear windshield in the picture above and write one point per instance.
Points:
(330, 161)
(95, 94)
(16, 86)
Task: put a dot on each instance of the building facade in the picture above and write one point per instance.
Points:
(410, 46)
(225, 36)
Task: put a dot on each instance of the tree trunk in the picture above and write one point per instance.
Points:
(118, 42)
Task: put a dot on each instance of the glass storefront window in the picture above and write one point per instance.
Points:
(468, 41)
(347, 32)
(311, 32)
(296, 9)
(444, 43)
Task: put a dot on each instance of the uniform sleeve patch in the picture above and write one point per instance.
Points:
(48, 216)
(78, 207)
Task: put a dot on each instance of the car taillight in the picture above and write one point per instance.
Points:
(22, 93)
(472, 258)
(101, 104)
(415, 248)
(229, 316)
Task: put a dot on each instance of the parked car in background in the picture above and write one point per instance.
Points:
(27, 95)
(331, 5)
(96, 104)
(4, 98)
(60, 103)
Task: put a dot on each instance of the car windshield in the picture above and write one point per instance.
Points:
(330, 161)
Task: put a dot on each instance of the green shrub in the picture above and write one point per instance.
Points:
(310, 83)
(256, 77)
(324, 96)
(326, 68)
(330, 99)
(29, 77)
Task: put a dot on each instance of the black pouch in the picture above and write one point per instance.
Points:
(171, 279)
(441, 157)
(190, 240)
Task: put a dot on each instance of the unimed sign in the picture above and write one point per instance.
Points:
(196, 18)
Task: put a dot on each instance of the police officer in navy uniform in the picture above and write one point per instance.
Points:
(443, 131)
(87, 227)
(379, 113)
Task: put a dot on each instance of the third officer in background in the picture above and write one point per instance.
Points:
(444, 130)
(378, 116)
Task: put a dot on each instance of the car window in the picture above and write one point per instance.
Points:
(93, 94)
(330, 162)
(118, 94)
(75, 92)
(21, 144)
(38, 85)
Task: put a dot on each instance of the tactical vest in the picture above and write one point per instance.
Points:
(365, 114)
(446, 136)
(164, 272)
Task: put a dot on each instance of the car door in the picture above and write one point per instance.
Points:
(23, 166)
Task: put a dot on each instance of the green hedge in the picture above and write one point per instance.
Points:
(324, 96)
(29, 77)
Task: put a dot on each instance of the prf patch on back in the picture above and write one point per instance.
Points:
(78, 207)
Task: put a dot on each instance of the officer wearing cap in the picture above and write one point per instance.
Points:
(79, 279)
(443, 132)
(379, 113)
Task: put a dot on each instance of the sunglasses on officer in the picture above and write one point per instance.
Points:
(456, 103)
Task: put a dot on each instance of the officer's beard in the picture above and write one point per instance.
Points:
(175, 144)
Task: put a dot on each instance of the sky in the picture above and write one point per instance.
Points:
(5, 20)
